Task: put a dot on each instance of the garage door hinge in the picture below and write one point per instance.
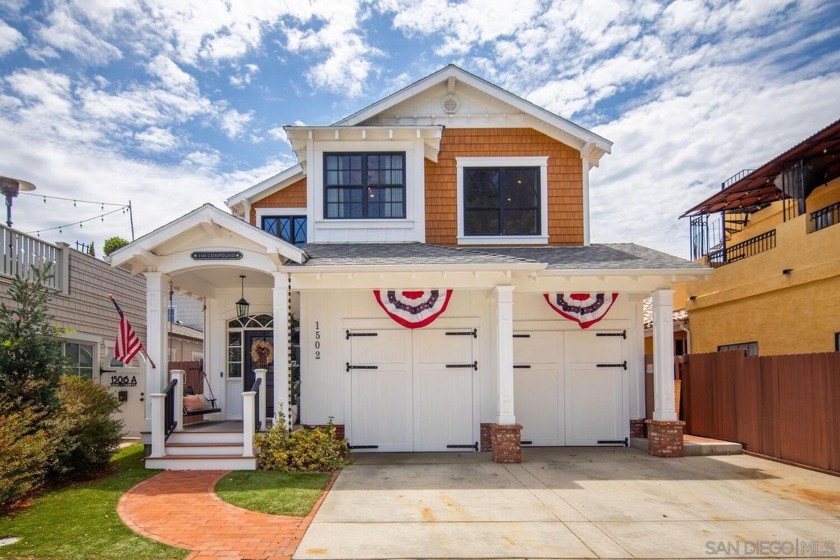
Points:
(521, 366)
(473, 333)
(621, 365)
(473, 446)
(349, 367)
(521, 336)
(349, 334)
(362, 447)
(624, 442)
(622, 334)
(473, 365)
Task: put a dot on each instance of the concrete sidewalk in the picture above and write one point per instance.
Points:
(574, 503)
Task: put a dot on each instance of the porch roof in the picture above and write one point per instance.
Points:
(614, 257)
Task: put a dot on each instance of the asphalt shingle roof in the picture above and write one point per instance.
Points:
(610, 256)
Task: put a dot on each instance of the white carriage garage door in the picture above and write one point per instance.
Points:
(412, 390)
(570, 387)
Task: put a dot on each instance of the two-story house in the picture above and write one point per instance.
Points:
(434, 247)
(769, 234)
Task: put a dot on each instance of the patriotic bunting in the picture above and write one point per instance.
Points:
(413, 309)
(585, 309)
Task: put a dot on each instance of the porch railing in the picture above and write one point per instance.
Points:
(825, 217)
(20, 252)
(169, 422)
(742, 250)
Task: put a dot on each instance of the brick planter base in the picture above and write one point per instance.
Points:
(665, 439)
(506, 442)
(637, 428)
(486, 442)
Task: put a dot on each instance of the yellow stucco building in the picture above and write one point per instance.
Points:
(773, 236)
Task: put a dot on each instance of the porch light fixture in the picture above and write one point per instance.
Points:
(787, 271)
(242, 305)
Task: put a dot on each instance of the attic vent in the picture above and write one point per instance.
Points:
(450, 104)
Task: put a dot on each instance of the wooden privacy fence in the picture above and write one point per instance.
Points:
(194, 378)
(786, 407)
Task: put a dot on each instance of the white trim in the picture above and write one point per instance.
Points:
(585, 165)
(495, 161)
(398, 223)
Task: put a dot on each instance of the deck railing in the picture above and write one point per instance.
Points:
(742, 250)
(825, 217)
(20, 252)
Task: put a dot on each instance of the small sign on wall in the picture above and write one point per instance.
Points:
(649, 368)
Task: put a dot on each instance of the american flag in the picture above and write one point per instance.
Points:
(127, 345)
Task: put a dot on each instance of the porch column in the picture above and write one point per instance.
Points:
(157, 288)
(505, 434)
(665, 431)
(280, 309)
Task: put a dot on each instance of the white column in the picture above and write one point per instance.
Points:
(260, 374)
(280, 309)
(178, 396)
(248, 404)
(504, 353)
(157, 421)
(663, 356)
(157, 288)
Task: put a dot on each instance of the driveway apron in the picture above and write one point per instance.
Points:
(574, 503)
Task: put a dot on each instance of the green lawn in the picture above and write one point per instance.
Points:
(82, 522)
(273, 492)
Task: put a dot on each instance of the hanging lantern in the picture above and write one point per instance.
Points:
(242, 306)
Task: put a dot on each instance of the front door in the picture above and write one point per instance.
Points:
(251, 337)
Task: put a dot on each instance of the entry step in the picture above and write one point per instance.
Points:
(696, 446)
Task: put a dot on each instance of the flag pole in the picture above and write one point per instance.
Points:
(142, 348)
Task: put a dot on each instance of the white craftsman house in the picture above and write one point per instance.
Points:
(434, 247)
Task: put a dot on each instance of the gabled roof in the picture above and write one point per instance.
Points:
(208, 218)
(592, 145)
(264, 188)
(821, 150)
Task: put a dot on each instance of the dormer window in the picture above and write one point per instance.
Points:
(364, 185)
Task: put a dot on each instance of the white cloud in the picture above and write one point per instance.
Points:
(65, 32)
(156, 140)
(243, 75)
(233, 122)
(10, 38)
(278, 133)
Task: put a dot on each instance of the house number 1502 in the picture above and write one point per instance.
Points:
(317, 340)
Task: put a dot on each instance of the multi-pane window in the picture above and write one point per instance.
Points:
(751, 348)
(79, 358)
(502, 201)
(291, 229)
(364, 185)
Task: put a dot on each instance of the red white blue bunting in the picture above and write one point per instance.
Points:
(585, 309)
(413, 309)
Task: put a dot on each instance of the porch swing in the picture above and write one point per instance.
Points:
(196, 405)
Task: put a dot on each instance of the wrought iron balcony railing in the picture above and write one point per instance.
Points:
(742, 250)
(825, 217)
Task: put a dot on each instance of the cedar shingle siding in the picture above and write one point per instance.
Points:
(293, 196)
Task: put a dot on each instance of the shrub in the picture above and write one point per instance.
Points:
(88, 435)
(24, 452)
(112, 244)
(307, 449)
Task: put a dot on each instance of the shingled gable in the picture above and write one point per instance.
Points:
(591, 146)
(167, 239)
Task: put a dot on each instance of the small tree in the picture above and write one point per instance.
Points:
(112, 244)
(91, 251)
(30, 354)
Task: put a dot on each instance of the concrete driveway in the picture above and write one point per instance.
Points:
(575, 503)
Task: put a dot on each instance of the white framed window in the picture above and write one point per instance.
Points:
(80, 356)
(502, 200)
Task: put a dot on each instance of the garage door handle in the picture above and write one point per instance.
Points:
(473, 333)
(349, 334)
(349, 367)
(622, 334)
(473, 365)
(621, 365)
(521, 367)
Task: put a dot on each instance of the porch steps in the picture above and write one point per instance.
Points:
(696, 446)
(199, 450)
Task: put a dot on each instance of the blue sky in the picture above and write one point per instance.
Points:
(171, 103)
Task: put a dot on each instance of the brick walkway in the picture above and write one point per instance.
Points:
(180, 508)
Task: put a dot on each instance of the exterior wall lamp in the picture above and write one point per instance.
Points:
(787, 271)
(242, 305)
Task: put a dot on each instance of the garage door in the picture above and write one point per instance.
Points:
(569, 387)
(412, 390)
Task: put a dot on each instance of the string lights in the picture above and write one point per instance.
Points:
(122, 208)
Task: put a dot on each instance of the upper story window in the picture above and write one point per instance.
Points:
(291, 229)
(364, 185)
(502, 200)
(751, 348)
